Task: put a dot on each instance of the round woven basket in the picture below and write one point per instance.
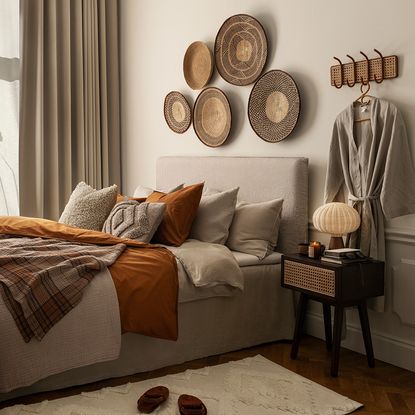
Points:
(274, 106)
(177, 112)
(241, 49)
(212, 117)
(197, 65)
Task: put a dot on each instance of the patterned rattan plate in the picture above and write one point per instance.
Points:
(212, 117)
(241, 50)
(197, 65)
(177, 112)
(274, 106)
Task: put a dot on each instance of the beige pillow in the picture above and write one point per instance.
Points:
(214, 217)
(254, 228)
(143, 191)
(134, 220)
(88, 208)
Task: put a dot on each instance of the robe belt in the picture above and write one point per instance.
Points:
(354, 198)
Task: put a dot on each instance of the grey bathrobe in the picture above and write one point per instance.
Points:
(370, 168)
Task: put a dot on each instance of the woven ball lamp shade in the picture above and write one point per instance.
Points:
(336, 219)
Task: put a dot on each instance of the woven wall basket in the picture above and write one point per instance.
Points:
(197, 65)
(241, 50)
(177, 112)
(274, 106)
(212, 117)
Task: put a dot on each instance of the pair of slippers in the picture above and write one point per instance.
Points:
(188, 404)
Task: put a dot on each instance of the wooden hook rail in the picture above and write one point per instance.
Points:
(364, 71)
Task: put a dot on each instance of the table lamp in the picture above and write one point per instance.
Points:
(336, 219)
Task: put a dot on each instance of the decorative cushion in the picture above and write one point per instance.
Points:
(254, 228)
(134, 220)
(122, 198)
(143, 191)
(214, 217)
(181, 209)
(88, 208)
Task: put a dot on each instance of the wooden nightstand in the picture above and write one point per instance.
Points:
(337, 285)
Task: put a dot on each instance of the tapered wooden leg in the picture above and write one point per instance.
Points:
(299, 323)
(367, 338)
(337, 334)
(327, 326)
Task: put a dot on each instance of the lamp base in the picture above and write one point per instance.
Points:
(336, 242)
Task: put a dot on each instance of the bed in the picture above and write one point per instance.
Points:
(262, 312)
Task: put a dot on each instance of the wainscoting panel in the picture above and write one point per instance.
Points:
(403, 291)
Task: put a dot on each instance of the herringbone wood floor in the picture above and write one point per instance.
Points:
(385, 389)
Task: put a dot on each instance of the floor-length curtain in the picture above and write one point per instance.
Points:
(70, 114)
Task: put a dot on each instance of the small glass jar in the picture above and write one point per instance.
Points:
(314, 250)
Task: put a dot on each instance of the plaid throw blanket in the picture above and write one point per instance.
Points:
(42, 279)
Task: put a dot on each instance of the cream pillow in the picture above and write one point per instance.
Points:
(143, 191)
(254, 228)
(214, 217)
(134, 220)
(88, 208)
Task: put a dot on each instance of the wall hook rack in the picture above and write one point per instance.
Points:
(364, 71)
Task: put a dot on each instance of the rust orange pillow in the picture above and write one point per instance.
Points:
(181, 209)
(122, 198)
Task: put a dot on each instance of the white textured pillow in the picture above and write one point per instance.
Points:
(214, 217)
(134, 220)
(143, 191)
(254, 228)
(88, 208)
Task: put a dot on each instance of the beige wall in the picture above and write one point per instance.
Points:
(303, 37)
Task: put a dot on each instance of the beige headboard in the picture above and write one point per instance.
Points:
(258, 178)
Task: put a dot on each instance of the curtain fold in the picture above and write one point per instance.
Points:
(70, 101)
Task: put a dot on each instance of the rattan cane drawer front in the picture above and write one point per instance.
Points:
(319, 280)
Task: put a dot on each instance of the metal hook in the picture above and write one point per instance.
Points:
(381, 68)
(367, 70)
(354, 72)
(341, 73)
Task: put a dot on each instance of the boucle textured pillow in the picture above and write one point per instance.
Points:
(88, 208)
(181, 208)
(214, 217)
(134, 220)
(254, 228)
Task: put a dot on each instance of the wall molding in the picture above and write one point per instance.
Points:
(388, 348)
(392, 234)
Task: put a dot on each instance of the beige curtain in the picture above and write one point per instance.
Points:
(69, 107)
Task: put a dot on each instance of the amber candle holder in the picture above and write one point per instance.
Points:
(314, 249)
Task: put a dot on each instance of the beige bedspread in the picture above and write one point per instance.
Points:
(141, 287)
(90, 333)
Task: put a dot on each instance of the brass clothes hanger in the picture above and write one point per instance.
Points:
(364, 94)
(361, 98)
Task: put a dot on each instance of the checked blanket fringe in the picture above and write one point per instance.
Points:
(41, 280)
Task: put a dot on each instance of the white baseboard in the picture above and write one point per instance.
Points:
(387, 348)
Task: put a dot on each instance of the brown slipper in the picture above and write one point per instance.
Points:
(190, 405)
(152, 398)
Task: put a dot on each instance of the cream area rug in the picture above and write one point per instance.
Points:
(252, 386)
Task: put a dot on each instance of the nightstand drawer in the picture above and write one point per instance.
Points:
(311, 278)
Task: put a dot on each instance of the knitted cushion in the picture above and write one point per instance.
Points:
(133, 220)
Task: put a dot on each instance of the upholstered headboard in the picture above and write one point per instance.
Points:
(259, 179)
